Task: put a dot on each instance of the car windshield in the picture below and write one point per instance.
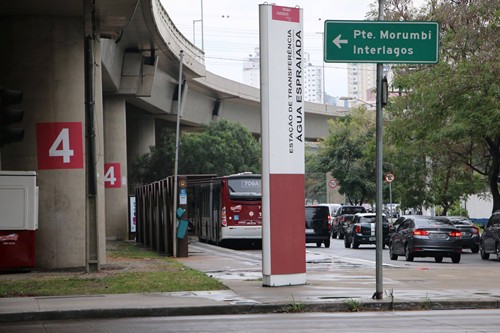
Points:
(462, 222)
(353, 210)
(372, 219)
(434, 223)
(316, 213)
(247, 187)
(496, 221)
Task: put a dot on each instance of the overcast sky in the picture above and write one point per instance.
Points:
(231, 32)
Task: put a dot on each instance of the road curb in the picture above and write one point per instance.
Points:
(350, 305)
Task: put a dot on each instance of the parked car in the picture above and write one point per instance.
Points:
(470, 233)
(394, 225)
(424, 236)
(344, 214)
(318, 225)
(361, 230)
(490, 239)
(333, 210)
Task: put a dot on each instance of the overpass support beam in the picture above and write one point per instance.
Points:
(115, 176)
(45, 59)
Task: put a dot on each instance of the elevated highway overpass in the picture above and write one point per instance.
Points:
(108, 71)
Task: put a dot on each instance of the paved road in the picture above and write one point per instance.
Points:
(457, 321)
(367, 252)
(337, 272)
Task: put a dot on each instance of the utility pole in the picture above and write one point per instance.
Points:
(379, 294)
(176, 162)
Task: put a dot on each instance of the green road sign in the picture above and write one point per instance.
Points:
(381, 42)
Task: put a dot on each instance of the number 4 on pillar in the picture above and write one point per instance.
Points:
(112, 175)
(59, 145)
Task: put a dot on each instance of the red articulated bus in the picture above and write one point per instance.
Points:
(227, 208)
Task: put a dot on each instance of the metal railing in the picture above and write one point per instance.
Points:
(154, 215)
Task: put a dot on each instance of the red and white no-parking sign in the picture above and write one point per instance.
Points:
(389, 177)
(59, 145)
(332, 183)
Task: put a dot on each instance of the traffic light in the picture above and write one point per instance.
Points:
(10, 112)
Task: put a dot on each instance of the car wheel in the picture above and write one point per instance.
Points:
(327, 243)
(438, 259)
(392, 255)
(318, 244)
(341, 235)
(484, 255)
(355, 243)
(334, 235)
(475, 249)
(455, 258)
(347, 244)
(498, 252)
(408, 255)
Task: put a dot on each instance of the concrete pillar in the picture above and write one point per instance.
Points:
(115, 138)
(44, 57)
(140, 134)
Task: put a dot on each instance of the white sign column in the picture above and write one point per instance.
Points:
(283, 198)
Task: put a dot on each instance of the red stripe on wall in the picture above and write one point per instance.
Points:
(287, 223)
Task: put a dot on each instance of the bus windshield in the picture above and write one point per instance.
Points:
(244, 187)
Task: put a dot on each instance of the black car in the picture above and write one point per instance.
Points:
(490, 239)
(423, 236)
(318, 225)
(361, 230)
(470, 233)
(342, 218)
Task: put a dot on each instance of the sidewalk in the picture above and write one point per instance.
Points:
(329, 288)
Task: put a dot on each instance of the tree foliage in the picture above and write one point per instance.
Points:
(222, 148)
(315, 179)
(446, 119)
(348, 153)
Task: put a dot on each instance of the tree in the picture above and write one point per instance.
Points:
(314, 177)
(449, 111)
(348, 153)
(155, 165)
(222, 148)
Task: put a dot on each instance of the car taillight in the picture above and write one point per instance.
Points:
(475, 230)
(420, 232)
(358, 229)
(223, 217)
(455, 234)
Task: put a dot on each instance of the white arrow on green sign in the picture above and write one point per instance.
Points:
(381, 42)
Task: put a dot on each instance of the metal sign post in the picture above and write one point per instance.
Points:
(176, 162)
(389, 178)
(379, 169)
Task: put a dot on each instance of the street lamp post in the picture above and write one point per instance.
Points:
(194, 32)
(349, 98)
